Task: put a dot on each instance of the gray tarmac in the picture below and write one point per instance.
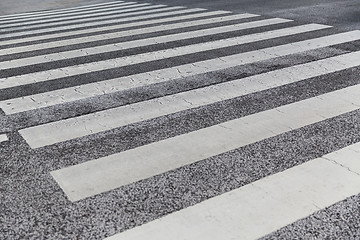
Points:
(33, 206)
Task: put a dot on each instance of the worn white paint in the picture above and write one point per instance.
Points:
(30, 15)
(3, 138)
(162, 53)
(264, 206)
(165, 17)
(113, 85)
(65, 19)
(149, 56)
(142, 9)
(348, 157)
(66, 15)
(148, 41)
(107, 173)
(146, 14)
(71, 128)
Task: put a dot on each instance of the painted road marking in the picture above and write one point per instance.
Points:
(71, 128)
(78, 19)
(284, 197)
(118, 84)
(95, 29)
(143, 57)
(100, 175)
(65, 16)
(3, 138)
(149, 56)
(244, 213)
(59, 11)
(163, 27)
(156, 55)
(59, 27)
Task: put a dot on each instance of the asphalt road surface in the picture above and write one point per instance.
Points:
(179, 120)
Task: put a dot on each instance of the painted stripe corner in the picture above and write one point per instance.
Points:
(3, 138)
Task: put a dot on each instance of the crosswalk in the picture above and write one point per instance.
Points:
(244, 213)
(123, 95)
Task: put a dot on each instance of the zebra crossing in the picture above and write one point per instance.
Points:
(127, 95)
(121, 116)
(83, 180)
(249, 205)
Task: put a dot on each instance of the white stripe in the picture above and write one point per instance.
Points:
(96, 16)
(191, 13)
(149, 56)
(108, 119)
(41, 13)
(107, 173)
(161, 28)
(81, 17)
(143, 79)
(66, 13)
(3, 138)
(349, 158)
(167, 11)
(137, 43)
(259, 208)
